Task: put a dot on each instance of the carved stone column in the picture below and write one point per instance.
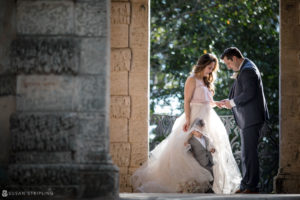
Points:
(288, 178)
(60, 134)
(7, 83)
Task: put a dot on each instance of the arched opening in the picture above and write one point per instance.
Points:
(273, 96)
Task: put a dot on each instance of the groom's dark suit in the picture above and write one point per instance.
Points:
(250, 113)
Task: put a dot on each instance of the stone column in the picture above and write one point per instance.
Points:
(129, 86)
(288, 178)
(7, 82)
(60, 131)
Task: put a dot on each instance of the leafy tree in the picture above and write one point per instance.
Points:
(183, 30)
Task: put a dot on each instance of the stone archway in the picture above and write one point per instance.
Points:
(79, 28)
(129, 142)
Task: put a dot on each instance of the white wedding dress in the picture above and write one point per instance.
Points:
(171, 168)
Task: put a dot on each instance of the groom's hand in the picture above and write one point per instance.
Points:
(226, 103)
(219, 104)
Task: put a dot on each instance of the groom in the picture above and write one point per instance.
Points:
(249, 107)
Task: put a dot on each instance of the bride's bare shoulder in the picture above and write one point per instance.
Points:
(191, 79)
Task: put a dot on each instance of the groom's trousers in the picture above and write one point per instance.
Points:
(250, 164)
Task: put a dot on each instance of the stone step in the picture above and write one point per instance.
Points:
(161, 196)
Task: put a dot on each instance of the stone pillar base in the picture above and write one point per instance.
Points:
(77, 181)
(99, 181)
(287, 183)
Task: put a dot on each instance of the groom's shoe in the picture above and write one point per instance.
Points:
(247, 191)
(239, 191)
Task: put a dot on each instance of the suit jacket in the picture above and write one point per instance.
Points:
(201, 154)
(248, 95)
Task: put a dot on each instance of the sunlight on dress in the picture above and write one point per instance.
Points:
(171, 168)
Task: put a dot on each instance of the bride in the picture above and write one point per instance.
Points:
(170, 167)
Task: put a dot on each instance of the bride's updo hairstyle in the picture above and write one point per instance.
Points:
(202, 62)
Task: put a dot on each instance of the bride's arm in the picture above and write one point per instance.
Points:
(189, 88)
(219, 104)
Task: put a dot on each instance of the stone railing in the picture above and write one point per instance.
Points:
(161, 126)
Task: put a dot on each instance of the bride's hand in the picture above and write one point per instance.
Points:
(219, 104)
(186, 126)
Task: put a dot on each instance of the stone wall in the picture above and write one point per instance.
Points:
(288, 178)
(7, 81)
(129, 86)
(60, 130)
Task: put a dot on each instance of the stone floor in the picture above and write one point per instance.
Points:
(159, 196)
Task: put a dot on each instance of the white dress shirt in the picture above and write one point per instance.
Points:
(231, 100)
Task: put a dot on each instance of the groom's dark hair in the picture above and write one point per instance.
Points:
(230, 52)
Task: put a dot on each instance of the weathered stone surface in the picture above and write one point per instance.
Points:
(119, 83)
(140, 14)
(140, 1)
(90, 18)
(99, 181)
(290, 28)
(131, 170)
(43, 132)
(47, 93)
(91, 93)
(138, 83)
(41, 157)
(291, 38)
(290, 163)
(7, 32)
(140, 60)
(287, 183)
(298, 13)
(7, 107)
(52, 93)
(92, 143)
(7, 85)
(291, 84)
(139, 154)
(66, 181)
(120, 106)
(44, 55)
(120, 13)
(291, 107)
(123, 170)
(137, 130)
(290, 60)
(290, 129)
(125, 185)
(118, 130)
(120, 153)
(93, 58)
(138, 123)
(119, 36)
(120, 59)
(45, 17)
(119, 0)
(138, 37)
(30, 174)
(288, 179)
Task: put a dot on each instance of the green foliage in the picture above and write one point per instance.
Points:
(183, 30)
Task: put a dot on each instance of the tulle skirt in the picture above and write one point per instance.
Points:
(171, 168)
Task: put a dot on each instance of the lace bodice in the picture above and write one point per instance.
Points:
(201, 93)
